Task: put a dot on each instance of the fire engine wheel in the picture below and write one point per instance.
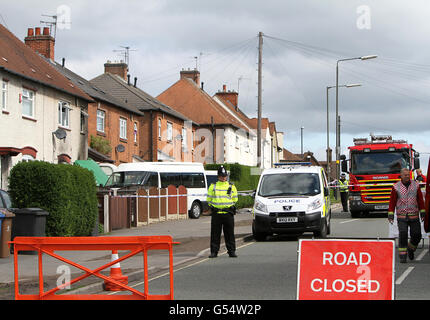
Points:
(355, 214)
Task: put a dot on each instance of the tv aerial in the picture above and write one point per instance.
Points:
(126, 53)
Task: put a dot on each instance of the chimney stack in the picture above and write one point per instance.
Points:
(228, 96)
(41, 43)
(191, 74)
(118, 68)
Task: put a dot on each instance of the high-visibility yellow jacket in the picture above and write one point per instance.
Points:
(218, 197)
(343, 185)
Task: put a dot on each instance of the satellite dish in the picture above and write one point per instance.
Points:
(60, 134)
(120, 148)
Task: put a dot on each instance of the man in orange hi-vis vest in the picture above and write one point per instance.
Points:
(406, 198)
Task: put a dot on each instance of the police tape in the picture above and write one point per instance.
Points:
(171, 195)
(370, 185)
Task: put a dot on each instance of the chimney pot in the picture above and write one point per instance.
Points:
(128, 79)
(63, 62)
(30, 32)
(135, 81)
(46, 31)
(224, 88)
(37, 31)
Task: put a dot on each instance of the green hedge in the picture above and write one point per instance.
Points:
(241, 176)
(68, 193)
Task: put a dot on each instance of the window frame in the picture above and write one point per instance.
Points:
(66, 105)
(4, 94)
(26, 97)
(122, 128)
(103, 118)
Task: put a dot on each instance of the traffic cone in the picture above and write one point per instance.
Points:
(115, 274)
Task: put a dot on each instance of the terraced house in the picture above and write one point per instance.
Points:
(43, 114)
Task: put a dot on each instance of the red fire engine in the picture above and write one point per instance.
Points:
(374, 166)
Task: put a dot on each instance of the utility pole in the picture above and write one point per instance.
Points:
(260, 58)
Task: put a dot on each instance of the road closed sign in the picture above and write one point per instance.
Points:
(345, 269)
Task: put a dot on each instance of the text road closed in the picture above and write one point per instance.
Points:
(346, 269)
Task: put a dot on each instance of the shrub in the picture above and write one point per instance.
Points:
(68, 193)
(101, 145)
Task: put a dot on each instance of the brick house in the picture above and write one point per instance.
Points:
(219, 131)
(109, 119)
(165, 134)
(41, 110)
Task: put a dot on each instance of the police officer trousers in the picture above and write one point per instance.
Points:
(344, 200)
(224, 222)
(415, 231)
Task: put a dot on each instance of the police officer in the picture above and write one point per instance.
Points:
(343, 188)
(222, 197)
(406, 198)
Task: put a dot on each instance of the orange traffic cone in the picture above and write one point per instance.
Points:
(115, 274)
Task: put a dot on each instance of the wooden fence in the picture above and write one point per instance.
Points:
(131, 208)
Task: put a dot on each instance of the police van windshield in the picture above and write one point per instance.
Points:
(290, 184)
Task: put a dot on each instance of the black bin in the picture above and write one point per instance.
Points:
(29, 222)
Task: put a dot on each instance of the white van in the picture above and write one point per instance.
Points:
(160, 175)
(291, 199)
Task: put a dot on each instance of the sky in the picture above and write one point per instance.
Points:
(303, 40)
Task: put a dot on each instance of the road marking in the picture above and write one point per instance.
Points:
(187, 266)
(348, 221)
(422, 254)
(404, 275)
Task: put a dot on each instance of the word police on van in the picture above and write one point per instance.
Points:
(291, 198)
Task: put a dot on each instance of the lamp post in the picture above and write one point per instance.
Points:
(337, 107)
(301, 135)
(328, 125)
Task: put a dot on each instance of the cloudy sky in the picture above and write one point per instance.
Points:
(303, 40)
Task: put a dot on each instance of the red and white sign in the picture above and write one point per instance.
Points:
(345, 269)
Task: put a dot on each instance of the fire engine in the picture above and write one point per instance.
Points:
(374, 166)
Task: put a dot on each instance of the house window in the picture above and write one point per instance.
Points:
(122, 128)
(83, 125)
(4, 95)
(28, 103)
(184, 139)
(101, 120)
(159, 129)
(135, 132)
(63, 114)
(169, 131)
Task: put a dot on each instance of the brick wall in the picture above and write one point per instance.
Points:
(112, 130)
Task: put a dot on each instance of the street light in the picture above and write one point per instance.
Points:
(301, 134)
(337, 107)
(328, 126)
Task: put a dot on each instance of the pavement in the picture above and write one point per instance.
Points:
(193, 235)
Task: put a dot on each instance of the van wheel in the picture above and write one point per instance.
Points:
(258, 236)
(195, 211)
(322, 232)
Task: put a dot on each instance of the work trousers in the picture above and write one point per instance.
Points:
(344, 200)
(415, 231)
(224, 222)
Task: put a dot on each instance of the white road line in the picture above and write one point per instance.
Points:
(348, 221)
(404, 275)
(187, 266)
(422, 254)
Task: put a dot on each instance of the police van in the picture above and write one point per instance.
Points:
(291, 198)
(162, 174)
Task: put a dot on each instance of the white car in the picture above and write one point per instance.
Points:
(291, 199)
